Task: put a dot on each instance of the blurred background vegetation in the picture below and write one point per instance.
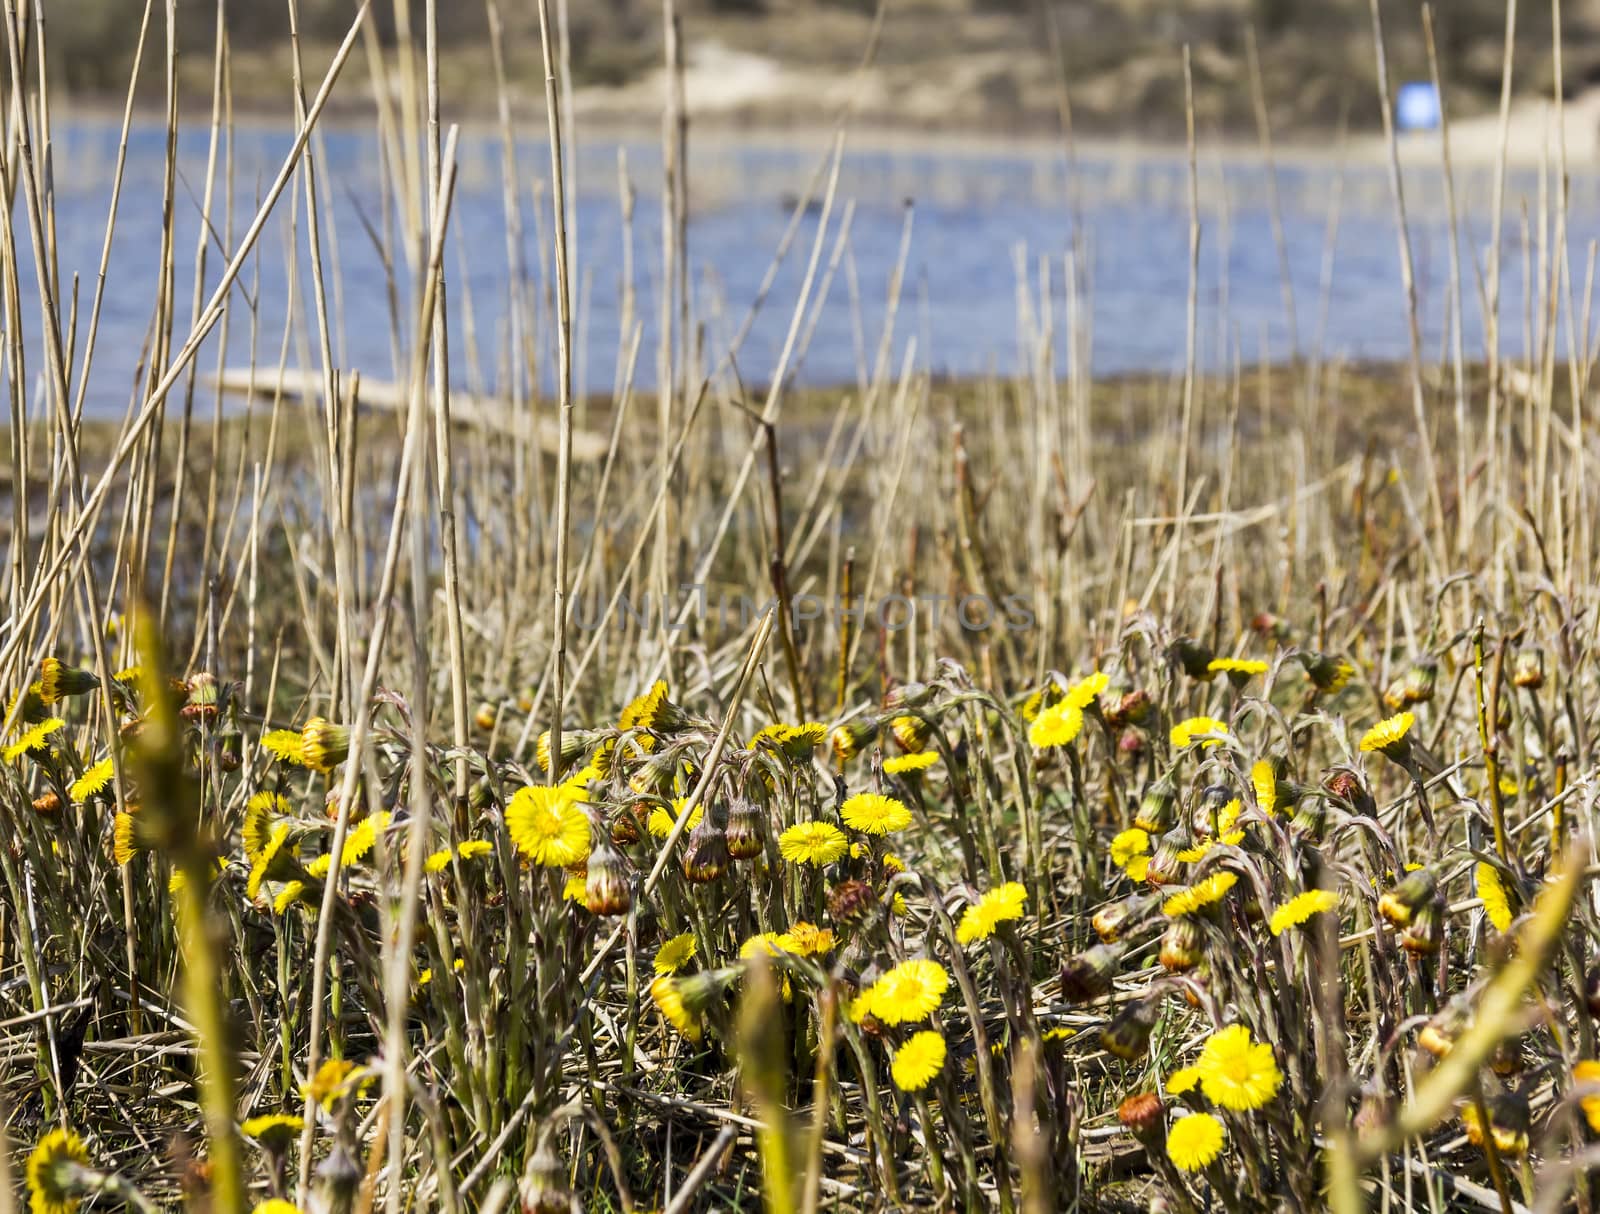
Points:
(990, 58)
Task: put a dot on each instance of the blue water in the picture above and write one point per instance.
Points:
(1120, 219)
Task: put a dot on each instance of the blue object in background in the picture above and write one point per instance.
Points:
(1417, 106)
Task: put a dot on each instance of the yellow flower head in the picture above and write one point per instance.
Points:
(668, 996)
(900, 765)
(1191, 730)
(1587, 1073)
(1301, 907)
(660, 822)
(995, 907)
(1056, 725)
(95, 779)
(34, 739)
(1389, 735)
(548, 826)
(1087, 690)
(816, 843)
(766, 944)
(675, 954)
(1182, 1080)
(292, 893)
(874, 814)
(910, 992)
(1265, 782)
(358, 841)
(918, 1061)
(267, 862)
(285, 745)
(797, 741)
(125, 841)
(652, 710)
(1130, 843)
(808, 940)
(1194, 1141)
(437, 861)
(1237, 1073)
(276, 1205)
(334, 1078)
(274, 1131)
(52, 1184)
(1238, 669)
(1199, 895)
(1496, 901)
(259, 813)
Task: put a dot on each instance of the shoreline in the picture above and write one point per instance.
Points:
(1474, 143)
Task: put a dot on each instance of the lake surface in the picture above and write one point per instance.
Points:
(982, 219)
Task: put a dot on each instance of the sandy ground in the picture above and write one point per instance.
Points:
(1533, 135)
(728, 88)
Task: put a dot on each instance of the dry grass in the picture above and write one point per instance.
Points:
(312, 810)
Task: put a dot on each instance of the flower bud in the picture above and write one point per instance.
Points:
(1423, 935)
(1087, 975)
(608, 888)
(543, 1187)
(1528, 669)
(1181, 945)
(1110, 920)
(849, 738)
(624, 825)
(201, 694)
(338, 1177)
(57, 680)
(851, 901)
(573, 743)
(49, 803)
(1327, 673)
(1194, 658)
(1509, 1121)
(907, 695)
(1591, 990)
(485, 715)
(1418, 685)
(1133, 708)
(1347, 786)
(1165, 867)
(1142, 1113)
(911, 732)
(655, 776)
(705, 856)
(1158, 806)
(746, 833)
(324, 744)
(1416, 890)
(1128, 1035)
